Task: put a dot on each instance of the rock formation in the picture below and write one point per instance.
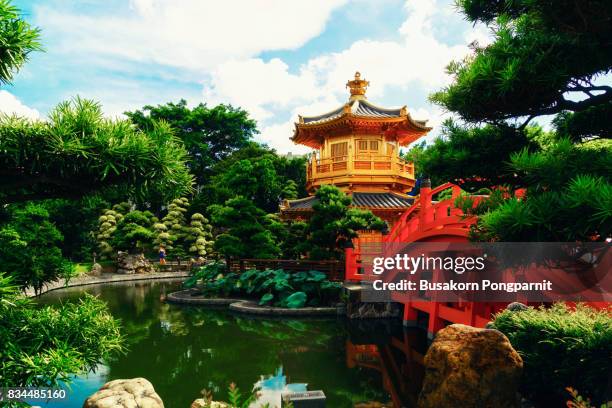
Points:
(202, 403)
(131, 393)
(471, 368)
(133, 263)
(96, 270)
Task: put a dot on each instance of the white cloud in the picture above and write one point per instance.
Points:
(10, 105)
(195, 34)
(219, 45)
(254, 84)
(418, 58)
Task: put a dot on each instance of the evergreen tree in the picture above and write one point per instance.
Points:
(546, 59)
(333, 223)
(243, 231)
(134, 232)
(30, 248)
(107, 227)
(198, 236)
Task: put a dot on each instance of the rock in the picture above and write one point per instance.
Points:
(471, 368)
(131, 393)
(96, 269)
(202, 403)
(133, 263)
(516, 307)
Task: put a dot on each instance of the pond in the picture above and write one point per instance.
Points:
(183, 350)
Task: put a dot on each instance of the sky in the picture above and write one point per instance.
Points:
(274, 58)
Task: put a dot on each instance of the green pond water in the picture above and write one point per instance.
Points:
(183, 350)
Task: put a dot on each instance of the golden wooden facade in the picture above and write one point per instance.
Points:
(357, 145)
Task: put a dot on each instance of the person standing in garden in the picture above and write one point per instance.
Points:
(162, 255)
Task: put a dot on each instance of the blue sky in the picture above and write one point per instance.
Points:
(275, 58)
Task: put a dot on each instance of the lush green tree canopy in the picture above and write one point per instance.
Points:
(209, 134)
(29, 248)
(473, 156)
(256, 172)
(243, 230)
(333, 223)
(78, 151)
(18, 40)
(544, 60)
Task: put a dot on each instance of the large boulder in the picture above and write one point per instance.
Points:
(469, 367)
(96, 270)
(133, 263)
(131, 393)
(202, 403)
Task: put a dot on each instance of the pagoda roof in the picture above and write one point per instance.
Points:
(358, 107)
(356, 116)
(386, 200)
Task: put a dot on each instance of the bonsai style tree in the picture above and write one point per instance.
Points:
(134, 232)
(29, 248)
(333, 223)
(107, 227)
(244, 234)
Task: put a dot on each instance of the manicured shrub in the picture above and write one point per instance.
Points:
(30, 248)
(561, 347)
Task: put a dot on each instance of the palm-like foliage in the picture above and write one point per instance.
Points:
(17, 40)
(43, 346)
(78, 151)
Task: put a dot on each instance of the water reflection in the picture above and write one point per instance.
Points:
(183, 350)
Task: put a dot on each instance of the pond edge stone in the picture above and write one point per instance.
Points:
(249, 306)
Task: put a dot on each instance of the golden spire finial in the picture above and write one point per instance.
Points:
(358, 87)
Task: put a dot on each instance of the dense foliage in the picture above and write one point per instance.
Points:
(243, 230)
(209, 134)
(180, 237)
(78, 151)
(333, 223)
(123, 228)
(44, 345)
(19, 39)
(546, 58)
(270, 287)
(30, 248)
(76, 219)
(134, 232)
(258, 173)
(561, 348)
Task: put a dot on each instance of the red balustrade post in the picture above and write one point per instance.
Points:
(425, 215)
(350, 259)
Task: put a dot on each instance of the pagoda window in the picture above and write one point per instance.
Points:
(339, 151)
(367, 146)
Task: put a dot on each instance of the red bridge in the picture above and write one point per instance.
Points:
(426, 221)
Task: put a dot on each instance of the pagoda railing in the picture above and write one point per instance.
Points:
(359, 165)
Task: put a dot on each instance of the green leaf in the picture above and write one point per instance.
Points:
(266, 299)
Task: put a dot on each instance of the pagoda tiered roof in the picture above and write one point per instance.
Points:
(359, 116)
(382, 201)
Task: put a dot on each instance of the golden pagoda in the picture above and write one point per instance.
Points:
(356, 148)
